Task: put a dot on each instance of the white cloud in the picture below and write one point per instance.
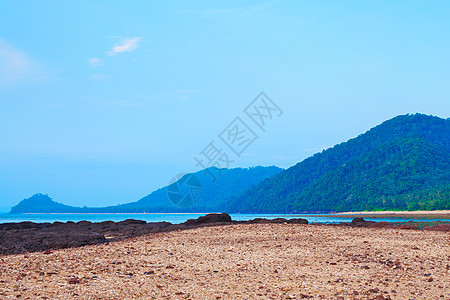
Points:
(126, 45)
(95, 62)
(16, 66)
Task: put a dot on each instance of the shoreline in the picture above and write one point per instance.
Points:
(143, 213)
(395, 212)
(438, 214)
(24, 237)
(241, 261)
(347, 213)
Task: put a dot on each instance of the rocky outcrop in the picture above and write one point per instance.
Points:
(210, 218)
(439, 227)
(277, 221)
(360, 222)
(406, 226)
(381, 224)
(31, 237)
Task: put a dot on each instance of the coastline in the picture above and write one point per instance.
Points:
(394, 212)
(179, 217)
(22, 237)
(260, 261)
(143, 213)
(443, 214)
(362, 213)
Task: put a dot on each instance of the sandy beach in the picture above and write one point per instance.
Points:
(394, 212)
(432, 214)
(248, 261)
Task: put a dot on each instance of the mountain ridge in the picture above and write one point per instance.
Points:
(215, 192)
(344, 177)
(401, 164)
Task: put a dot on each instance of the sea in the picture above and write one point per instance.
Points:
(180, 217)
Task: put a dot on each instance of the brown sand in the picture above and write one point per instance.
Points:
(264, 261)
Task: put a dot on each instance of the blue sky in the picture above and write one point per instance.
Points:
(101, 103)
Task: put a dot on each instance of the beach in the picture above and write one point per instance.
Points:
(440, 214)
(241, 261)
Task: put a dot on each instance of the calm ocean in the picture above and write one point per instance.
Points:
(180, 218)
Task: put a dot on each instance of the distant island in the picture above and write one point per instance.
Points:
(214, 188)
(401, 164)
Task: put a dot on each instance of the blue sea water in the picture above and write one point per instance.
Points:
(180, 218)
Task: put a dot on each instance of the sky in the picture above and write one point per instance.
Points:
(102, 102)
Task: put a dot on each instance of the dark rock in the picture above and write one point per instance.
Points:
(107, 223)
(84, 223)
(381, 224)
(74, 280)
(21, 225)
(257, 221)
(210, 218)
(278, 221)
(360, 222)
(406, 226)
(439, 227)
(131, 222)
(46, 239)
(39, 237)
(298, 221)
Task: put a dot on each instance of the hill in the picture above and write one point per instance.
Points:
(204, 191)
(40, 203)
(215, 194)
(403, 163)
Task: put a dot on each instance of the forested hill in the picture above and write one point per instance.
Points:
(211, 189)
(403, 163)
(217, 186)
(41, 203)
